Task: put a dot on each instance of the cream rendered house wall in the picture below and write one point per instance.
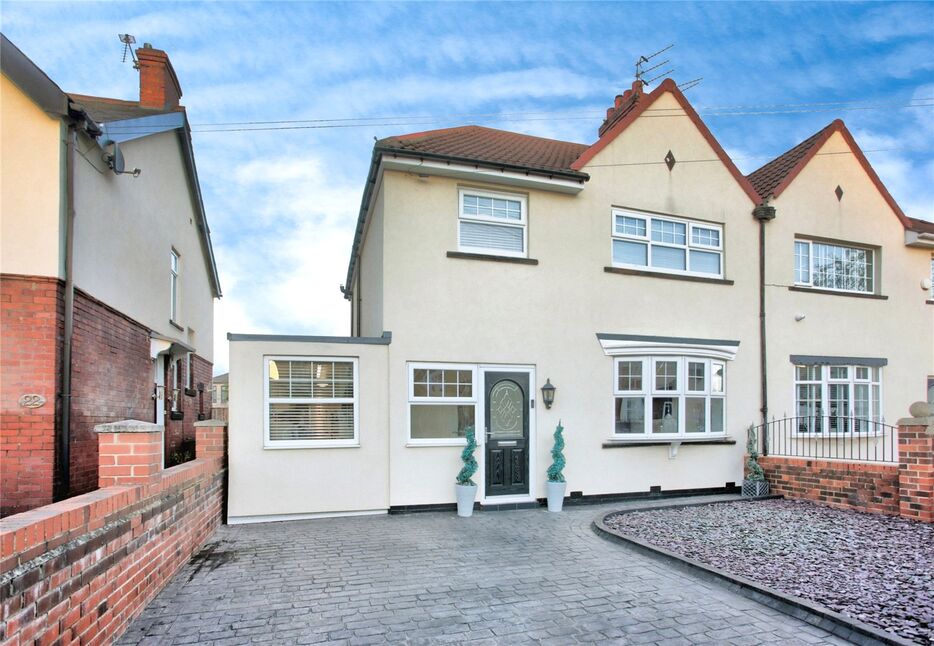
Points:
(125, 229)
(305, 482)
(31, 173)
(452, 310)
(900, 329)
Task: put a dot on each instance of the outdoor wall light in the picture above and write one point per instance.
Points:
(548, 393)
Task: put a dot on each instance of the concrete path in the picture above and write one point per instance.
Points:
(504, 577)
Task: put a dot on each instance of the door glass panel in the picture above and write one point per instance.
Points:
(507, 406)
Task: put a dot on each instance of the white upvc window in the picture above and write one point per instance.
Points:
(173, 286)
(442, 403)
(838, 399)
(669, 396)
(932, 278)
(189, 371)
(492, 223)
(310, 402)
(835, 267)
(666, 244)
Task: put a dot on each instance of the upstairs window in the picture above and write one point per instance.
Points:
(665, 244)
(835, 267)
(311, 402)
(492, 223)
(173, 286)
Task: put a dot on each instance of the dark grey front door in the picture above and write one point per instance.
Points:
(507, 433)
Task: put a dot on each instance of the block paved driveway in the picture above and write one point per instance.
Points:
(503, 577)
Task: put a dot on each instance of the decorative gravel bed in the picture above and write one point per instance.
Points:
(876, 569)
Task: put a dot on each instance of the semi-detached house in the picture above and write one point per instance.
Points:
(630, 274)
(108, 276)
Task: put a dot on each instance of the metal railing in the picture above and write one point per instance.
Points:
(830, 436)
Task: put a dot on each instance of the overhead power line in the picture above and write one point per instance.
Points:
(377, 122)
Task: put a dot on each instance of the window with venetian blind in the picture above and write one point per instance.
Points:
(311, 402)
(492, 223)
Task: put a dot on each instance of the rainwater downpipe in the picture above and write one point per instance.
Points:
(64, 435)
(763, 213)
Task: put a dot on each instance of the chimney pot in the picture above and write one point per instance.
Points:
(158, 85)
(637, 87)
(609, 112)
(619, 100)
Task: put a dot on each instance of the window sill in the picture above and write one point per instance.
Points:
(463, 255)
(832, 292)
(176, 325)
(421, 445)
(652, 441)
(659, 274)
(322, 445)
(191, 392)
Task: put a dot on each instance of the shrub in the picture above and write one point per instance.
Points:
(557, 464)
(755, 472)
(470, 463)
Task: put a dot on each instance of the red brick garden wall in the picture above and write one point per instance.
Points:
(864, 486)
(31, 315)
(904, 489)
(112, 379)
(78, 571)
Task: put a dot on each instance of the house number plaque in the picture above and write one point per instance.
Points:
(32, 401)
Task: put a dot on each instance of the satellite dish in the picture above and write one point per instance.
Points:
(114, 158)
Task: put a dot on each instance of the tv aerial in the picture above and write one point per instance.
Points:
(641, 70)
(128, 41)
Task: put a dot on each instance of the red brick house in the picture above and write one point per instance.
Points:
(107, 275)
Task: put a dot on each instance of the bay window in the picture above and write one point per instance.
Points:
(310, 402)
(667, 244)
(669, 396)
(442, 403)
(837, 399)
(492, 223)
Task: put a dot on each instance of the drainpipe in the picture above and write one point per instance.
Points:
(64, 434)
(763, 213)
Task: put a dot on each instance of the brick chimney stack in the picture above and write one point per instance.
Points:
(158, 85)
(622, 104)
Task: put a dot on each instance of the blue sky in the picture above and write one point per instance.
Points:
(282, 204)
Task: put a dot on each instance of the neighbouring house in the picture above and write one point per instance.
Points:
(220, 395)
(670, 300)
(108, 277)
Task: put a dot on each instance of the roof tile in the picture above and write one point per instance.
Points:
(767, 178)
(104, 110)
(477, 143)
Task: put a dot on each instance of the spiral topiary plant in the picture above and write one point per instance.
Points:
(755, 472)
(557, 465)
(470, 462)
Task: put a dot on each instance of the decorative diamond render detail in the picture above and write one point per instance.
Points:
(670, 160)
(838, 192)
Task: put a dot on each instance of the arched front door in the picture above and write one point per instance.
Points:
(507, 433)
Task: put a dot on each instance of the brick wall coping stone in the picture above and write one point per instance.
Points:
(922, 414)
(210, 423)
(129, 426)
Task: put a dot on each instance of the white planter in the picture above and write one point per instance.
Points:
(555, 492)
(466, 494)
